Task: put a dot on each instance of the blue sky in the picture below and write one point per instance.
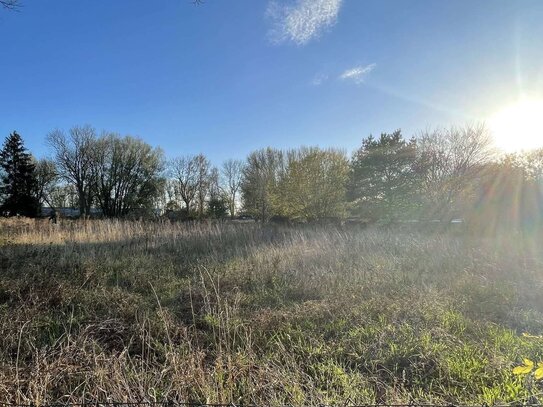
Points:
(230, 76)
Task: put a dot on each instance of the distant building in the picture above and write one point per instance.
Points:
(68, 212)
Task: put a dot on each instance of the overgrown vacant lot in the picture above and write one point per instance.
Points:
(128, 311)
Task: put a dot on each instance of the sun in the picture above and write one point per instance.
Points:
(519, 126)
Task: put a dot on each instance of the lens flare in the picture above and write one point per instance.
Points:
(519, 126)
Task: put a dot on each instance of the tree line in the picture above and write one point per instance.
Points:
(439, 174)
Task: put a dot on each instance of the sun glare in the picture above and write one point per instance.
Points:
(519, 126)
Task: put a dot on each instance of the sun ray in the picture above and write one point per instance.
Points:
(519, 126)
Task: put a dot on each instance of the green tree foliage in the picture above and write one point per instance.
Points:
(314, 185)
(127, 174)
(18, 183)
(441, 174)
(217, 207)
(384, 177)
(261, 176)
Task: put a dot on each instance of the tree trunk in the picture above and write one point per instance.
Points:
(82, 202)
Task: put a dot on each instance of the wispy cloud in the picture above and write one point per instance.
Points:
(357, 74)
(302, 21)
(319, 79)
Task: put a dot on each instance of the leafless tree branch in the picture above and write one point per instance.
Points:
(11, 4)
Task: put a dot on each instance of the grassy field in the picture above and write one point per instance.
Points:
(130, 311)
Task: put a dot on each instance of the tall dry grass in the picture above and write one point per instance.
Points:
(220, 312)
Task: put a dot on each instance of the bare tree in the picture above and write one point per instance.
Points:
(215, 190)
(202, 181)
(16, 4)
(127, 172)
(46, 177)
(63, 196)
(450, 161)
(184, 172)
(74, 158)
(169, 197)
(232, 172)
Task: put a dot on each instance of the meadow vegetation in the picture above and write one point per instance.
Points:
(266, 314)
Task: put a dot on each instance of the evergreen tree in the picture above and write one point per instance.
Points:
(217, 208)
(18, 180)
(384, 178)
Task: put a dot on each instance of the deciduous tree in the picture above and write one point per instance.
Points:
(127, 172)
(450, 162)
(183, 170)
(314, 185)
(46, 179)
(74, 156)
(232, 172)
(261, 176)
(203, 182)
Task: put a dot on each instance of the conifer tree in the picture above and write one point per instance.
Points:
(18, 179)
(384, 178)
